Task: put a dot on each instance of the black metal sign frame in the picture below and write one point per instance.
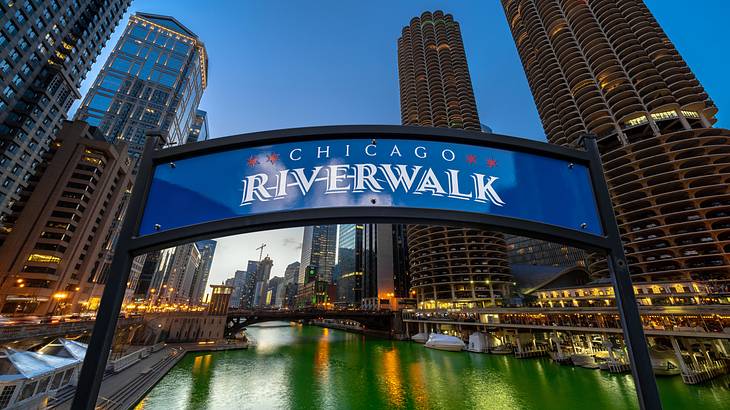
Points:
(131, 245)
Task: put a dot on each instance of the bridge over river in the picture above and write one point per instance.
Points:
(377, 321)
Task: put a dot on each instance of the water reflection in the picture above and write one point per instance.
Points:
(313, 368)
(392, 378)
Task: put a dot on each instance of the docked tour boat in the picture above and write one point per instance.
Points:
(584, 360)
(445, 342)
(420, 337)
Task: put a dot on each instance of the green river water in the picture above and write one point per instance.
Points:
(306, 367)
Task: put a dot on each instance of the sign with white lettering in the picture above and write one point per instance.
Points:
(363, 172)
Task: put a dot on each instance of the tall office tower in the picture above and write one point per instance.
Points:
(46, 49)
(199, 128)
(318, 251)
(274, 291)
(200, 280)
(291, 273)
(153, 79)
(176, 268)
(50, 259)
(607, 67)
(262, 280)
(248, 285)
(350, 261)
(450, 267)
(144, 287)
(237, 282)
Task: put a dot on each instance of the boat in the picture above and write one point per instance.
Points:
(445, 342)
(420, 337)
(584, 360)
(477, 343)
(664, 361)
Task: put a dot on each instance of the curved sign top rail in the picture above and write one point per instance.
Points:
(406, 173)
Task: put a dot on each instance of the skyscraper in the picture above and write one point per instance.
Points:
(153, 79)
(50, 260)
(179, 274)
(263, 272)
(350, 261)
(318, 251)
(607, 67)
(238, 282)
(291, 273)
(46, 49)
(200, 280)
(450, 267)
(199, 128)
(248, 285)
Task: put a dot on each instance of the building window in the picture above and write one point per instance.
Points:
(10, 27)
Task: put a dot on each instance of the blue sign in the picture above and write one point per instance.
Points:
(364, 173)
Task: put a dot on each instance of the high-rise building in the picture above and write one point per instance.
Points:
(200, 280)
(450, 267)
(153, 79)
(263, 272)
(199, 128)
(291, 273)
(248, 285)
(46, 49)
(144, 288)
(238, 282)
(179, 273)
(49, 261)
(607, 68)
(274, 291)
(318, 251)
(350, 263)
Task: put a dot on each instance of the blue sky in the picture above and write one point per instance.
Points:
(281, 64)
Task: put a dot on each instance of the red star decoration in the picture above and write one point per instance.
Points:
(491, 163)
(252, 162)
(471, 158)
(273, 157)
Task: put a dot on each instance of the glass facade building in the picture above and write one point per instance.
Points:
(318, 251)
(46, 49)
(350, 261)
(199, 128)
(200, 282)
(154, 79)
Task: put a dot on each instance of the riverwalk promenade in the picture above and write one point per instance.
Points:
(124, 389)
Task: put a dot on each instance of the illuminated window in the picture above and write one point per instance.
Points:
(43, 258)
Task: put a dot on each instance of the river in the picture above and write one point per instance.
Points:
(306, 367)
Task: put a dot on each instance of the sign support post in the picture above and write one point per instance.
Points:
(102, 336)
(644, 380)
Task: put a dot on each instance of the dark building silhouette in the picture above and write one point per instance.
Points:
(608, 68)
(450, 267)
(46, 49)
